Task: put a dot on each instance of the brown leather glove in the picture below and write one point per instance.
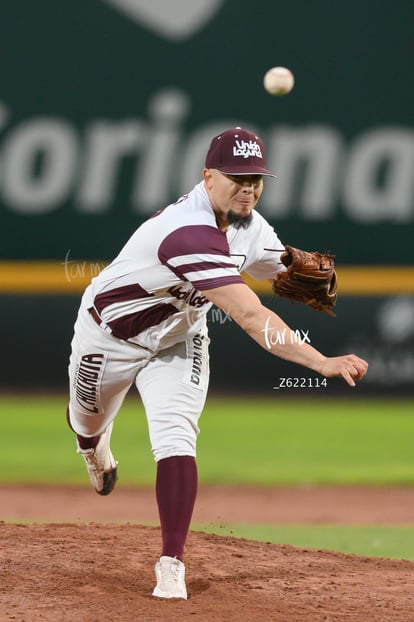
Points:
(310, 278)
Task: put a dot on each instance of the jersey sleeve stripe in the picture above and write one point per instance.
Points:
(182, 260)
(205, 265)
(213, 273)
(198, 241)
(199, 253)
(213, 283)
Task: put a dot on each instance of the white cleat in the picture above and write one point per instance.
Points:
(170, 573)
(101, 464)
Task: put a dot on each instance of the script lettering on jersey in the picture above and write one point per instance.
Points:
(192, 297)
(87, 379)
(247, 149)
(197, 364)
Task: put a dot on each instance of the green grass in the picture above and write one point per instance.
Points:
(245, 441)
(308, 442)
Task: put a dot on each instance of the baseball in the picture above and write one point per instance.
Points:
(278, 81)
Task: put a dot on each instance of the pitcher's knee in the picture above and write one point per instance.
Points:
(85, 425)
(167, 445)
(168, 452)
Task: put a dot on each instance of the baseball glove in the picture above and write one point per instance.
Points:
(310, 278)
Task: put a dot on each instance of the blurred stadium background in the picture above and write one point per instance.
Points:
(106, 111)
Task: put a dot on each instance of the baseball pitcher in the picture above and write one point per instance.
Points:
(142, 321)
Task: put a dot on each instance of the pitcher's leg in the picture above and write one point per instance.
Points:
(98, 386)
(101, 370)
(173, 387)
(176, 491)
(94, 403)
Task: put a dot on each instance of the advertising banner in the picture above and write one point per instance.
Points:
(107, 108)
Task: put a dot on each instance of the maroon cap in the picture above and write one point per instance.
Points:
(237, 152)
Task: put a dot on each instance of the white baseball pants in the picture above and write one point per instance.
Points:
(172, 383)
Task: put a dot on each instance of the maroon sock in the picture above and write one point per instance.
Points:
(176, 491)
(84, 442)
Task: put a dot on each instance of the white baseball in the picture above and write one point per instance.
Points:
(278, 81)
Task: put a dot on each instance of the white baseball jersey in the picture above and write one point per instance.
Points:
(150, 294)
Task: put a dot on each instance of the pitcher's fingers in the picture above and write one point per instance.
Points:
(347, 376)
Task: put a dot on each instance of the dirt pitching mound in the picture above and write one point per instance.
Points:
(94, 572)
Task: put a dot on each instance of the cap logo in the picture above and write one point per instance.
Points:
(247, 149)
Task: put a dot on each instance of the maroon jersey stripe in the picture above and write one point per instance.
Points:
(120, 294)
(202, 265)
(131, 325)
(193, 240)
(212, 283)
